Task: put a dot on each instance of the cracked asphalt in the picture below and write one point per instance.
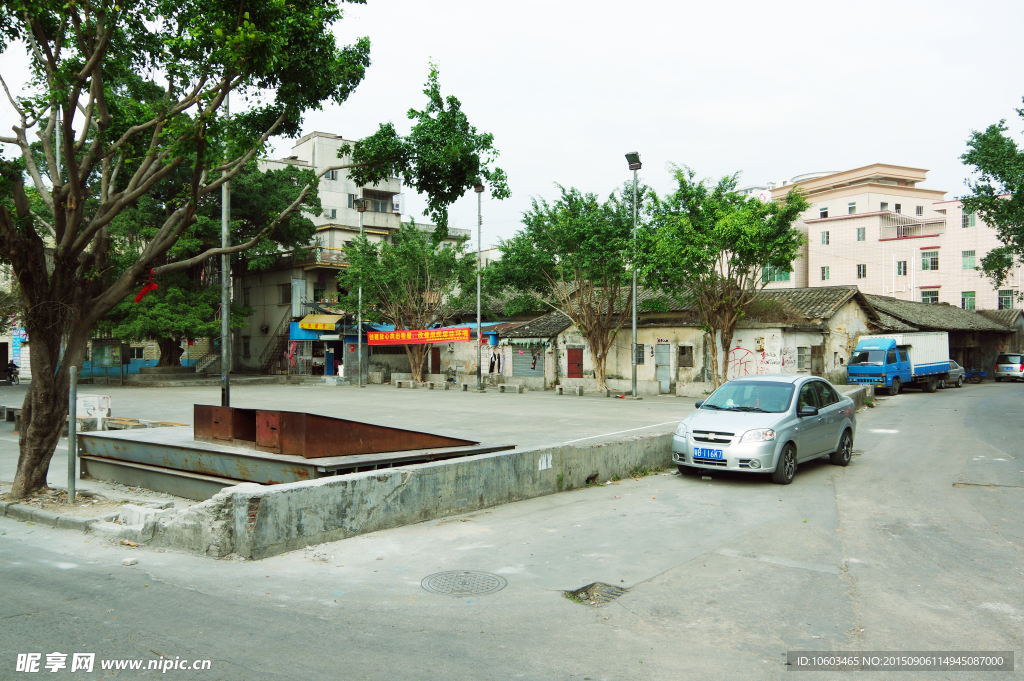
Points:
(916, 546)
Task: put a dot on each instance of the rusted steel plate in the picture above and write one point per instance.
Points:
(267, 431)
(224, 424)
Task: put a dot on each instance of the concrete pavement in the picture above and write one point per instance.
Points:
(912, 547)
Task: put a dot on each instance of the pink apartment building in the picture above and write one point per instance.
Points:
(874, 227)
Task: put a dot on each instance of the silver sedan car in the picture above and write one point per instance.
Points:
(766, 424)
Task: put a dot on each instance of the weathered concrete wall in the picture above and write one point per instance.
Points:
(255, 522)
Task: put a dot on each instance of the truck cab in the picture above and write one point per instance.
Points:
(880, 361)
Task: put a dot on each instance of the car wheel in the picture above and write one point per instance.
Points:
(843, 454)
(942, 384)
(931, 384)
(786, 468)
(687, 470)
(960, 382)
(894, 389)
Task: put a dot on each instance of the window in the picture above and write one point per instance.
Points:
(640, 353)
(901, 268)
(968, 258)
(245, 346)
(929, 260)
(685, 356)
(967, 300)
(851, 208)
(823, 212)
(899, 208)
(137, 353)
(890, 357)
(284, 294)
(862, 271)
(824, 238)
(967, 220)
(378, 206)
(885, 205)
(319, 292)
(1006, 299)
(919, 210)
(861, 233)
(903, 353)
(352, 200)
(803, 359)
(331, 213)
(826, 395)
(824, 273)
(247, 296)
(773, 274)
(930, 296)
(329, 175)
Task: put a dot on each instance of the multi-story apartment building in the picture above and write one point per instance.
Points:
(876, 228)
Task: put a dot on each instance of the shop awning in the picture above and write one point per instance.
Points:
(320, 322)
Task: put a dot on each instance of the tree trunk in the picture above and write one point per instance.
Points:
(170, 352)
(599, 350)
(709, 342)
(726, 342)
(417, 356)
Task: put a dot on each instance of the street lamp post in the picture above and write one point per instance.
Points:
(479, 189)
(361, 207)
(633, 158)
(225, 288)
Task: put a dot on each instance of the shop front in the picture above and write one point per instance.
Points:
(314, 347)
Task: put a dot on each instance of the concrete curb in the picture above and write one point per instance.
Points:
(12, 509)
(860, 394)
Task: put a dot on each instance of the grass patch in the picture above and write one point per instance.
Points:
(644, 471)
(561, 481)
(616, 478)
(870, 404)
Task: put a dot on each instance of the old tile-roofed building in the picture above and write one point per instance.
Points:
(545, 326)
(936, 316)
(1004, 317)
(818, 304)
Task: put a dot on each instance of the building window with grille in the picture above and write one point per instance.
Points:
(824, 238)
(803, 359)
(331, 175)
(245, 346)
(919, 210)
(851, 208)
(967, 220)
(824, 273)
(1006, 299)
(862, 271)
(968, 257)
(319, 292)
(929, 260)
(685, 356)
(898, 208)
(331, 213)
(930, 296)
(352, 200)
(774, 274)
(247, 296)
(640, 353)
(284, 294)
(967, 300)
(861, 233)
(137, 352)
(823, 212)
(901, 268)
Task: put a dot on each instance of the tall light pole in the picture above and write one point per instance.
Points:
(361, 207)
(633, 158)
(225, 300)
(479, 189)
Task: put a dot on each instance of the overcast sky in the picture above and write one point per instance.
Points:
(769, 89)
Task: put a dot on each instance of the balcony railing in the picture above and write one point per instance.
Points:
(900, 226)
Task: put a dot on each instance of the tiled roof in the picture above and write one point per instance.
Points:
(935, 316)
(1004, 317)
(546, 326)
(814, 303)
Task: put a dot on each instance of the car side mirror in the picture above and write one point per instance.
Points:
(698, 403)
(807, 410)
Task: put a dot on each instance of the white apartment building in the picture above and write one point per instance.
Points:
(876, 228)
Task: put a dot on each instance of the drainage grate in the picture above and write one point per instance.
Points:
(463, 583)
(597, 593)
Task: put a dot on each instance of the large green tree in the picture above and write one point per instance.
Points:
(573, 255)
(187, 303)
(717, 249)
(414, 282)
(122, 96)
(997, 195)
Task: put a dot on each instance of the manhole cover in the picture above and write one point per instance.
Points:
(463, 583)
(597, 593)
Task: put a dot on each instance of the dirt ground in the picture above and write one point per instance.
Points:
(84, 507)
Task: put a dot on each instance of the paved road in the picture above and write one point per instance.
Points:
(916, 546)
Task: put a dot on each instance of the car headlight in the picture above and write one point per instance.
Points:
(681, 430)
(759, 435)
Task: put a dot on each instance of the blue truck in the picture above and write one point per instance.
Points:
(900, 360)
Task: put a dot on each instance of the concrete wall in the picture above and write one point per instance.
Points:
(256, 522)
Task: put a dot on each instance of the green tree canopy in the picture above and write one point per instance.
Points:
(711, 246)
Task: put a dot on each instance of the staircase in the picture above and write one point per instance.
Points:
(276, 346)
(211, 356)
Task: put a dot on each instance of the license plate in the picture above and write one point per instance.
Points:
(1009, 368)
(704, 453)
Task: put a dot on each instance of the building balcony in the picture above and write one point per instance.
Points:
(900, 226)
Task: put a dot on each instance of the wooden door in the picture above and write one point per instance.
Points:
(575, 363)
(817, 360)
(435, 360)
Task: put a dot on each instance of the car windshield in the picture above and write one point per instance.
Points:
(1009, 359)
(868, 357)
(758, 396)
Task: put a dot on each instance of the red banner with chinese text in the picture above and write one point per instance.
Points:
(418, 336)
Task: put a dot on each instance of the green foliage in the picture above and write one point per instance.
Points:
(443, 156)
(997, 195)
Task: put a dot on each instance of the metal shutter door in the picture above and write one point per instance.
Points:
(523, 365)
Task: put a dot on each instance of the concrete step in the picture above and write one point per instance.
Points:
(172, 371)
(201, 380)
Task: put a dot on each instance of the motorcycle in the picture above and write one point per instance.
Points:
(12, 376)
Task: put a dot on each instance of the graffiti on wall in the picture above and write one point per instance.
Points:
(767, 357)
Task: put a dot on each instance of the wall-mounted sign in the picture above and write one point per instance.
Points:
(418, 336)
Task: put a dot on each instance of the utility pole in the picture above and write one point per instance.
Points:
(479, 189)
(361, 207)
(225, 276)
(634, 165)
